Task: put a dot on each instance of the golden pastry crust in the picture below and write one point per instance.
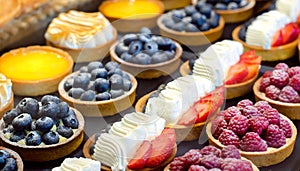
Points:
(28, 5)
(9, 10)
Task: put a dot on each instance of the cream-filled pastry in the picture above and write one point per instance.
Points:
(290, 8)
(5, 90)
(78, 164)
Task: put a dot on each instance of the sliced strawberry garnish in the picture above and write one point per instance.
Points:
(277, 39)
(236, 73)
(170, 132)
(252, 71)
(189, 117)
(141, 156)
(250, 58)
(290, 33)
(203, 110)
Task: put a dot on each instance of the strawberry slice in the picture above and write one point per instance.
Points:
(189, 117)
(290, 33)
(236, 73)
(170, 132)
(250, 58)
(253, 69)
(203, 110)
(277, 39)
(141, 156)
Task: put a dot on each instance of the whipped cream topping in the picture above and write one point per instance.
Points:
(216, 60)
(178, 96)
(77, 29)
(78, 164)
(115, 148)
(5, 90)
(289, 7)
(262, 29)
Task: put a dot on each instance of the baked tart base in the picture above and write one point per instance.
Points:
(8, 106)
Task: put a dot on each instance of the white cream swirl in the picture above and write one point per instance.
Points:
(78, 164)
(289, 7)
(77, 29)
(5, 90)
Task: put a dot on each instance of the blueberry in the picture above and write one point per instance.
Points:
(10, 165)
(3, 156)
(191, 63)
(29, 105)
(68, 84)
(103, 96)
(51, 138)
(169, 54)
(93, 65)
(33, 125)
(150, 47)
(178, 15)
(115, 71)
(125, 56)
(71, 113)
(205, 27)
(75, 92)
(126, 76)
(165, 43)
(144, 38)
(128, 38)
(220, 6)
(213, 22)
(17, 136)
(190, 9)
(187, 20)
(44, 124)
(191, 28)
(101, 85)
(135, 47)
(64, 131)
(168, 22)
(8, 129)
(179, 26)
(10, 115)
(232, 6)
(242, 33)
(116, 82)
(50, 109)
(198, 19)
(63, 110)
(83, 69)
(22, 122)
(200, 4)
(33, 138)
(99, 73)
(126, 84)
(145, 30)
(238, 1)
(142, 58)
(81, 81)
(88, 95)
(116, 93)
(91, 85)
(226, 2)
(111, 65)
(159, 57)
(241, 3)
(121, 48)
(206, 10)
(71, 121)
(49, 98)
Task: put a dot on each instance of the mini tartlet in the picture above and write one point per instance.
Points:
(35, 70)
(9, 10)
(16, 156)
(174, 4)
(6, 94)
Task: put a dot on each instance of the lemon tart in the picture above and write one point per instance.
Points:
(35, 70)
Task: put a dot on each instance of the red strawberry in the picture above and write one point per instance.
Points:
(170, 132)
(236, 73)
(277, 39)
(250, 58)
(141, 156)
(203, 110)
(253, 70)
(290, 33)
(189, 117)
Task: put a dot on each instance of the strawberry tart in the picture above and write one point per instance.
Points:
(261, 133)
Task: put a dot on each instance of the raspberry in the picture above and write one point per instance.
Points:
(211, 161)
(281, 66)
(264, 83)
(258, 124)
(262, 106)
(286, 127)
(230, 151)
(238, 124)
(293, 71)
(228, 137)
(197, 168)
(250, 111)
(279, 78)
(231, 164)
(295, 82)
(267, 74)
(217, 126)
(215, 169)
(178, 164)
(275, 136)
(207, 150)
(231, 112)
(289, 95)
(272, 116)
(272, 92)
(192, 156)
(252, 142)
(244, 103)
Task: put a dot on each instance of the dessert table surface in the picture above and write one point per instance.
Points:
(96, 124)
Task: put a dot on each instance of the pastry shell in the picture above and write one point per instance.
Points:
(9, 105)
(9, 10)
(16, 156)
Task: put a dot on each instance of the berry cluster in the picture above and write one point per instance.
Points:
(251, 127)
(145, 48)
(282, 84)
(98, 82)
(7, 162)
(225, 4)
(210, 158)
(33, 123)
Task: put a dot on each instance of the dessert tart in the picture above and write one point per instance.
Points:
(185, 112)
(9, 10)
(145, 145)
(281, 94)
(28, 5)
(13, 161)
(6, 95)
(131, 16)
(98, 89)
(42, 131)
(146, 55)
(85, 36)
(210, 157)
(78, 164)
(192, 25)
(241, 69)
(262, 134)
(271, 44)
(290, 8)
(174, 4)
(35, 70)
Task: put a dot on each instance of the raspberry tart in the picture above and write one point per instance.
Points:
(146, 55)
(210, 158)
(42, 131)
(99, 89)
(280, 88)
(261, 133)
(137, 142)
(6, 95)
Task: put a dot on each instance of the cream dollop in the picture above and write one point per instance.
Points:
(77, 29)
(78, 164)
(5, 90)
(289, 7)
